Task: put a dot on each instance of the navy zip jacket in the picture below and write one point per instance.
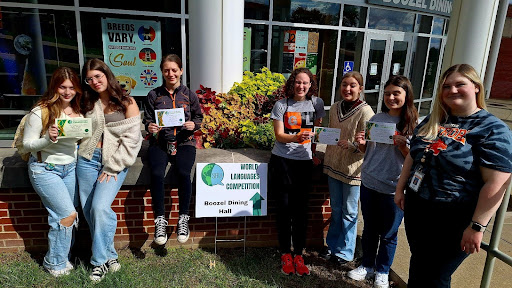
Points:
(160, 98)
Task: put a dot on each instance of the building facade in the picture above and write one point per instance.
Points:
(379, 38)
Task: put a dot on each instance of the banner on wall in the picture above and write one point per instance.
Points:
(231, 189)
(300, 50)
(247, 48)
(133, 50)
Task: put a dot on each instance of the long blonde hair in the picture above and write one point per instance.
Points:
(440, 111)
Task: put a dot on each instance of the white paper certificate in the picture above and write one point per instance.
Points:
(324, 135)
(379, 132)
(170, 117)
(75, 127)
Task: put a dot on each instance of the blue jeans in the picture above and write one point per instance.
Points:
(57, 188)
(96, 199)
(341, 237)
(381, 221)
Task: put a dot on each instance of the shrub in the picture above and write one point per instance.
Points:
(258, 135)
(222, 116)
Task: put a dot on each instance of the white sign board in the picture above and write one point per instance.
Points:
(231, 189)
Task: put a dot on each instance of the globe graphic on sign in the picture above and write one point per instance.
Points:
(212, 174)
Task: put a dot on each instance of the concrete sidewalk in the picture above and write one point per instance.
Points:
(469, 274)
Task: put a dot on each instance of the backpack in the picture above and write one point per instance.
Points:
(18, 136)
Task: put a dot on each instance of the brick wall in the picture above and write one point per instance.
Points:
(24, 224)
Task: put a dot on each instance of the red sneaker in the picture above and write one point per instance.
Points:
(300, 268)
(287, 262)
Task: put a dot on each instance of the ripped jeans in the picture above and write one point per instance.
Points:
(56, 185)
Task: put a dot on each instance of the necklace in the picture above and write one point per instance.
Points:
(69, 114)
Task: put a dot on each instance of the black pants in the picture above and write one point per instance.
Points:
(434, 231)
(182, 164)
(290, 183)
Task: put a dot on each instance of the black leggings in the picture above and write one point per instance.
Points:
(290, 183)
(182, 164)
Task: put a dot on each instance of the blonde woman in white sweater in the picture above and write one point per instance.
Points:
(342, 164)
(52, 165)
(104, 159)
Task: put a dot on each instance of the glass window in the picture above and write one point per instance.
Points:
(425, 108)
(311, 48)
(423, 24)
(438, 27)
(33, 43)
(419, 57)
(350, 50)
(431, 71)
(51, 2)
(256, 9)
(390, 20)
(259, 36)
(173, 6)
(354, 16)
(307, 11)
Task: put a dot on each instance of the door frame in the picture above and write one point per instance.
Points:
(390, 38)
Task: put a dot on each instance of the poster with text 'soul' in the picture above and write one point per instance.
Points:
(133, 50)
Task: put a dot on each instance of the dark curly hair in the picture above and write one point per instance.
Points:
(289, 86)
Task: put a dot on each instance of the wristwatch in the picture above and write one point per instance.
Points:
(477, 226)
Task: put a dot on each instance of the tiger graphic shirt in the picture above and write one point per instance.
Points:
(451, 162)
(297, 116)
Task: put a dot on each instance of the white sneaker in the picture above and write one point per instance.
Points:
(61, 272)
(160, 231)
(360, 273)
(183, 232)
(381, 280)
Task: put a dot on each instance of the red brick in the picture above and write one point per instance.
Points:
(8, 235)
(27, 205)
(5, 221)
(35, 212)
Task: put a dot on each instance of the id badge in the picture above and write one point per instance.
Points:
(416, 180)
(49, 166)
(171, 147)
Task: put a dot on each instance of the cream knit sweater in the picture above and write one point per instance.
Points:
(121, 140)
(345, 164)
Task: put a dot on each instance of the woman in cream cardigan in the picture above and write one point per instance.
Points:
(104, 159)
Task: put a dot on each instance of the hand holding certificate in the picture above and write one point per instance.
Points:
(324, 135)
(379, 132)
(76, 127)
(170, 117)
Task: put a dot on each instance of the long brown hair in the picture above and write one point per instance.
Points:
(118, 101)
(289, 86)
(440, 111)
(51, 98)
(408, 114)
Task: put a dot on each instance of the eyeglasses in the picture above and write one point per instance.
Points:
(97, 77)
(303, 83)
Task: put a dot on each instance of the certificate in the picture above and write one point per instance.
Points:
(379, 132)
(324, 135)
(170, 117)
(75, 127)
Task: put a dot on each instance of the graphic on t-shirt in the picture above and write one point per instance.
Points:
(456, 134)
(437, 146)
(292, 120)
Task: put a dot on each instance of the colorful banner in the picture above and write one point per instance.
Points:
(300, 50)
(231, 189)
(133, 51)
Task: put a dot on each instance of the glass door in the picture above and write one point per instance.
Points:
(384, 55)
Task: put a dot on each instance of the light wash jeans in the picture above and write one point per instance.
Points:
(341, 237)
(57, 188)
(96, 199)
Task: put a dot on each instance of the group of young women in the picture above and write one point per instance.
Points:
(68, 172)
(446, 175)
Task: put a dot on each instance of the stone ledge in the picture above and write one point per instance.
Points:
(13, 170)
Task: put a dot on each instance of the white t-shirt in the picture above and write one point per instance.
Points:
(62, 151)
